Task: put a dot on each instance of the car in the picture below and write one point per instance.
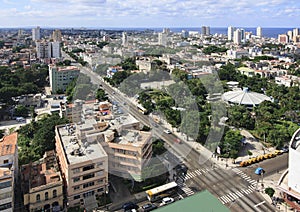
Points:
(285, 149)
(113, 92)
(167, 131)
(149, 207)
(166, 201)
(129, 205)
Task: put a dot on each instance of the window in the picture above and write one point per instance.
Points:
(54, 193)
(77, 197)
(77, 170)
(76, 188)
(100, 190)
(100, 164)
(76, 179)
(88, 176)
(100, 181)
(46, 196)
(5, 184)
(5, 206)
(5, 161)
(38, 197)
(88, 184)
(86, 168)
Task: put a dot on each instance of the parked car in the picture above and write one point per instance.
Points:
(285, 149)
(166, 201)
(129, 205)
(149, 207)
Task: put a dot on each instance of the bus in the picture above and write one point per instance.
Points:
(142, 109)
(162, 191)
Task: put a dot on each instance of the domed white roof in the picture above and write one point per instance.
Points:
(245, 97)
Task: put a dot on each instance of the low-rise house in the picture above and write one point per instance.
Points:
(42, 184)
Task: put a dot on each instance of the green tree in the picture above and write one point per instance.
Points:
(270, 191)
(21, 110)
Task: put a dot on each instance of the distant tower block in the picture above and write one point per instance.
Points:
(124, 39)
(259, 32)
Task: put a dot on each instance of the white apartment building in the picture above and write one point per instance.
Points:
(259, 32)
(60, 77)
(36, 33)
(237, 36)
(162, 39)
(230, 32)
(8, 171)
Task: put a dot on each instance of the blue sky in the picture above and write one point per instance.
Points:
(149, 13)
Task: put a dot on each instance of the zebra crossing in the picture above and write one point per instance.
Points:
(237, 194)
(244, 176)
(196, 173)
(185, 188)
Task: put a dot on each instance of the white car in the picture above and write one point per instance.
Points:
(166, 201)
(167, 131)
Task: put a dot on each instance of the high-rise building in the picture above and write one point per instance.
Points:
(296, 32)
(48, 50)
(290, 35)
(230, 32)
(166, 30)
(237, 36)
(184, 34)
(56, 36)
(205, 30)
(283, 38)
(259, 32)
(8, 171)
(124, 39)
(43, 50)
(60, 77)
(162, 38)
(242, 34)
(36, 33)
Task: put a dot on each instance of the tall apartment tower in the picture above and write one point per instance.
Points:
(230, 32)
(259, 32)
(162, 38)
(56, 36)
(237, 36)
(48, 50)
(124, 39)
(36, 33)
(205, 30)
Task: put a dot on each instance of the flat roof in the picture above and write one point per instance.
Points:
(78, 151)
(203, 201)
(132, 137)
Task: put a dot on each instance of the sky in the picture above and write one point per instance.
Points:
(149, 13)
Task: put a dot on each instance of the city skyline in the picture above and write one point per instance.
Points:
(138, 13)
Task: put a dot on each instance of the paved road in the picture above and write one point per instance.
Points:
(230, 186)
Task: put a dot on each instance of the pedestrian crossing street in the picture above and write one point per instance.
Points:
(235, 195)
(185, 188)
(244, 176)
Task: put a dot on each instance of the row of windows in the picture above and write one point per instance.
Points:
(54, 194)
(87, 185)
(125, 152)
(5, 184)
(86, 168)
(129, 160)
(5, 195)
(87, 194)
(5, 206)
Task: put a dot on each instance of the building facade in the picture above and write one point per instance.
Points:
(259, 32)
(8, 171)
(42, 185)
(36, 33)
(60, 77)
(83, 163)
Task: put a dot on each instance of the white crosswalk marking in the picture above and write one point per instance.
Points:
(239, 194)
